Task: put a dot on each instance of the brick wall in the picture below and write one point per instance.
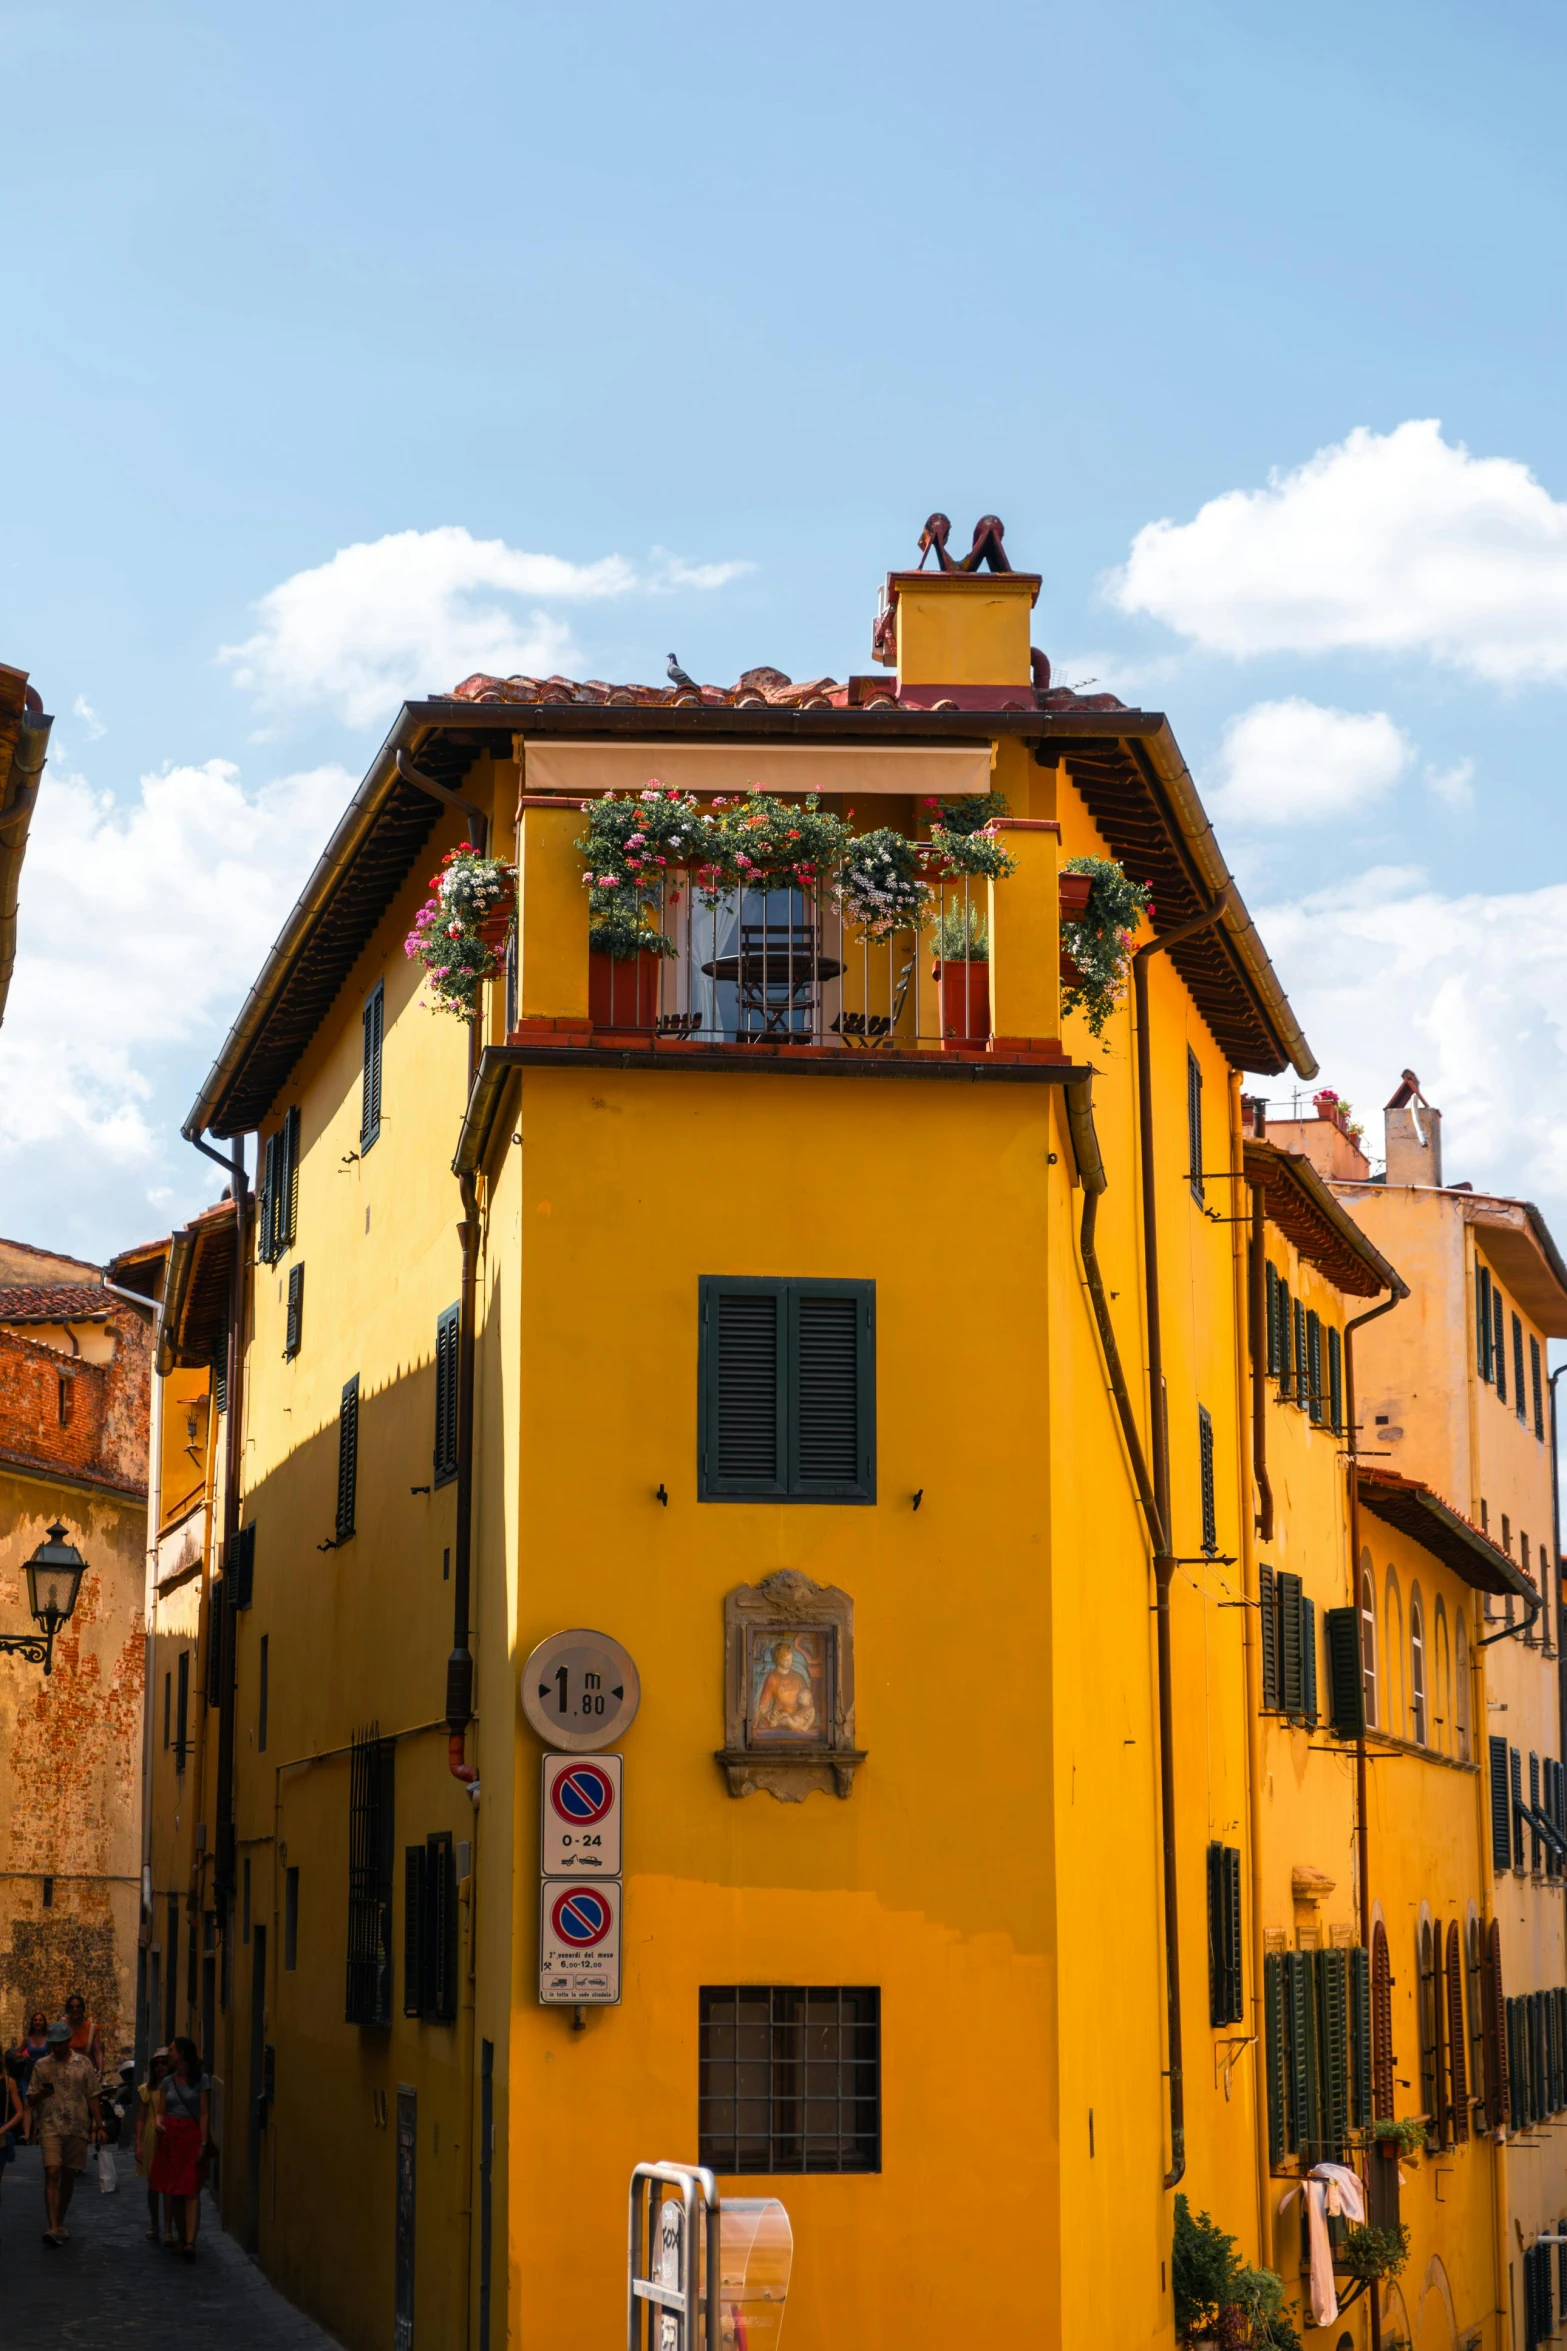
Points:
(105, 1432)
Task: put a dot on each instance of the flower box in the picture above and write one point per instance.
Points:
(623, 990)
(1075, 891)
(965, 1003)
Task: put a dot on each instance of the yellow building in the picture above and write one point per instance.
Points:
(867, 1353)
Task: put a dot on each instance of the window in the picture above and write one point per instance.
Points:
(181, 1709)
(448, 1333)
(511, 979)
(1536, 1850)
(168, 1694)
(1537, 1385)
(1210, 1518)
(789, 2078)
(430, 1929)
(1314, 1365)
(1461, 1687)
(1393, 1715)
(1226, 2002)
(1318, 2051)
(1346, 1675)
(1194, 1121)
(1483, 1322)
(1271, 1288)
(1419, 1721)
(1368, 1638)
(1287, 1365)
(1457, 2067)
(1519, 1404)
(262, 1694)
(294, 1321)
(1498, 1344)
(371, 1789)
(786, 1393)
(291, 1919)
(1501, 1806)
(1428, 2010)
(1289, 1646)
(1335, 1382)
(1442, 1695)
(347, 1458)
(370, 1094)
(277, 1208)
(65, 1398)
(240, 1575)
(1515, 1783)
(1381, 2025)
(1507, 1546)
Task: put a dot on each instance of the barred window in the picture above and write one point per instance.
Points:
(789, 2078)
(371, 1798)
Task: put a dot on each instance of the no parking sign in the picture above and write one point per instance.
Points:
(580, 1832)
(579, 1943)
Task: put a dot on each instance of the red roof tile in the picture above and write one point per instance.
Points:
(67, 1302)
(757, 689)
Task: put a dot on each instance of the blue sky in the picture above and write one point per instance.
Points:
(495, 295)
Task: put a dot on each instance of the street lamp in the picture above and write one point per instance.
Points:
(54, 1577)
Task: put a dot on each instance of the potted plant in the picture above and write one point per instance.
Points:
(764, 843)
(634, 846)
(881, 883)
(459, 933)
(1221, 2303)
(1370, 2254)
(1097, 944)
(962, 973)
(1403, 2140)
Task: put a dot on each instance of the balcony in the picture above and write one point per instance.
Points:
(785, 967)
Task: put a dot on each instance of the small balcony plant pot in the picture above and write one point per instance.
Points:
(493, 927)
(1071, 977)
(623, 990)
(965, 1004)
(1075, 891)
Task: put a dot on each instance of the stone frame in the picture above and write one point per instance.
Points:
(782, 1602)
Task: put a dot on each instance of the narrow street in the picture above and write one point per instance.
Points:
(109, 2287)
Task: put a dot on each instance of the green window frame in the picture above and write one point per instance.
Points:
(786, 1390)
(370, 1083)
(1194, 1121)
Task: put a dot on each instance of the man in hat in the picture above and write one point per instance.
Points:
(64, 2098)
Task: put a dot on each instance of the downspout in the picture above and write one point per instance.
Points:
(232, 1462)
(1362, 1812)
(459, 1666)
(1091, 1174)
(1560, 1626)
(143, 2042)
(1164, 1563)
(1257, 1317)
(1256, 1526)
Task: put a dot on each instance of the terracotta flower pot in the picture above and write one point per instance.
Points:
(1071, 977)
(623, 991)
(492, 927)
(1075, 889)
(965, 1002)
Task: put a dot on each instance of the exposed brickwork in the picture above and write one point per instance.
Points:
(104, 1433)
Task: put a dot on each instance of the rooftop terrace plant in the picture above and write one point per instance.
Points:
(634, 845)
(1099, 942)
(459, 932)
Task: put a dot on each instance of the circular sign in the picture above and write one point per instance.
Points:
(579, 1691)
(581, 1918)
(583, 1795)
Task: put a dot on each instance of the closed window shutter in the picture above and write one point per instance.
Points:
(1381, 2026)
(413, 1930)
(1360, 2033)
(1292, 1663)
(1271, 1291)
(1332, 1973)
(1515, 1782)
(1225, 2001)
(1314, 1364)
(1443, 2107)
(1268, 1612)
(1501, 1807)
(1534, 1806)
(1286, 1341)
(1308, 1658)
(1304, 2071)
(347, 1458)
(448, 1340)
(1346, 1682)
(1276, 2056)
(1194, 1122)
(743, 1436)
(217, 1602)
(787, 1390)
(266, 1204)
(1519, 1403)
(294, 1327)
(1302, 1360)
(1498, 2089)
(440, 1967)
(829, 1334)
(240, 1573)
(1457, 2067)
(1498, 1344)
(1483, 1323)
(1210, 1519)
(370, 1088)
(1537, 1386)
(1336, 1381)
(286, 1215)
(1477, 1982)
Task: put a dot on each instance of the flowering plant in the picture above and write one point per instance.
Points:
(762, 843)
(970, 853)
(632, 845)
(1331, 1105)
(882, 888)
(454, 931)
(1099, 941)
(967, 815)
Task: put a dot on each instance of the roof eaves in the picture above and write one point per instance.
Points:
(1417, 1511)
(1297, 1170)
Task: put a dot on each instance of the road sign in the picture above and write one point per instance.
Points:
(579, 1943)
(580, 1691)
(580, 1834)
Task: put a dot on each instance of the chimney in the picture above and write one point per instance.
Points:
(1413, 1132)
(958, 635)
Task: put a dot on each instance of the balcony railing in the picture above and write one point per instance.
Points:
(780, 965)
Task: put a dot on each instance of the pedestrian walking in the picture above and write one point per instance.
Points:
(19, 2063)
(64, 2097)
(181, 2125)
(86, 2039)
(160, 2217)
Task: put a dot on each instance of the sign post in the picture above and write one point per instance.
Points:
(579, 1690)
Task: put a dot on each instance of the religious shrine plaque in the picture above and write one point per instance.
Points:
(580, 1691)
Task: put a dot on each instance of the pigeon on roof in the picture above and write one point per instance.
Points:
(678, 677)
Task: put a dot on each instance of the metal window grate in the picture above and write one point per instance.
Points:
(370, 1863)
(789, 2078)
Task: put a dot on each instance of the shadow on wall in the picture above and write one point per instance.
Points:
(50, 1957)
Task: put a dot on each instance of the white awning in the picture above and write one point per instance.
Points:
(599, 765)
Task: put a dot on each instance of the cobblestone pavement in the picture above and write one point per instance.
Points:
(107, 2286)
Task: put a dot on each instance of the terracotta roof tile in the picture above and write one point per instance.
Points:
(65, 1302)
(757, 689)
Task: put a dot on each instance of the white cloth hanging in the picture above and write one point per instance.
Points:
(1332, 2192)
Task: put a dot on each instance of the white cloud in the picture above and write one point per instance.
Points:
(142, 924)
(1386, 542)
(1297, 762)
(1387, 973)
(81, 708)
(418, 611)
(1453, 786)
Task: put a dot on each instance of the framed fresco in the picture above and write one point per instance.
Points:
(789, 1689)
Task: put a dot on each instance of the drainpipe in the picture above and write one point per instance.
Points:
(1164, 1562)
(234, 1454)
(143, 2043)
(1091, 1174)
(1560, 1626)
(1257, 1318)
(459, 1666)
(1362, 1817)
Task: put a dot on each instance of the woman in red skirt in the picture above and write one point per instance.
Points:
(181, 2126)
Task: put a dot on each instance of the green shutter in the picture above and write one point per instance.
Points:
(1302, 1359)
(440, 1947)
(1501, 1807)
(832, 1391)
(1332, 1974)
(1275, 2055)
(1292, 1664)
(1360, 2036)
(1210, 1518)
(1304, 2081)
(1335, 1381)
(413, 1930)
(1271, 1290)
(370, 1083)
(1286, 1341)
(1519, 1404)
(1498, 1344)
(1346, 1682)
(266, 1202)
(1314, 1364)
(1515, 1787)
(742, 1418)
(285, 1214)
(1483, 1322)
(1308, 1656)
(1194, 1122)
(1537, 1387)
(786, 1390)
(293, 1330)
(240, 1567)
(347, 1458)
(1268, 1615)
(448, 1358)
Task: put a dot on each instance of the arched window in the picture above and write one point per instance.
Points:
(1442, 1688)
(1461, 1686)
(1394, 1669)
(1368, 1635)
(1419, 1717)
